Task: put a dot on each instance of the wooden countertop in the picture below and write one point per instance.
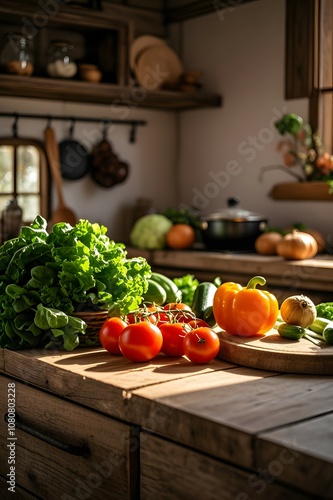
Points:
(310, 274)
(254, 419)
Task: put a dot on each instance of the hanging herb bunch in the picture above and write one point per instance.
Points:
(302, 150)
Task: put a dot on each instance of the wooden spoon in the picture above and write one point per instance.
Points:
(62, 213)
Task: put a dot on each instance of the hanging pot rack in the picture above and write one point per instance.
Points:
(105, 122)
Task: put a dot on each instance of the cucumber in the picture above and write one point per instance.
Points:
(292, 332)
(328, 334)
(203, 302)
(173, 294)
(155, 293)
(319, 325)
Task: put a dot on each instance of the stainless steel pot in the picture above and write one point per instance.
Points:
(232, 229)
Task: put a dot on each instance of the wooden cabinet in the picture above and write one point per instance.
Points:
(172, 471)
(65, 451)
(92, 425)
(100, 37)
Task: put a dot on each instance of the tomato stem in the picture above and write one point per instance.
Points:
(200, 339)
(257, 280)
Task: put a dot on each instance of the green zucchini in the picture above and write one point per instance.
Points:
(173, 294)
(292, 332)
(155, 293)
(203, 302)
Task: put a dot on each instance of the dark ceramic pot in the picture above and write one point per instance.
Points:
(233, 229)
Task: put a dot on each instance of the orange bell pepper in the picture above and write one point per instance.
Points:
(245, 311)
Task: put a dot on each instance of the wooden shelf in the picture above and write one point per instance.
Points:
(99, 36)
(103, 93)
(315, 191)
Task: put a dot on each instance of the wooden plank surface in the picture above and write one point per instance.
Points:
(97, 379)
(318, 268)
(312, 191)
(230, 407)
(196, 476)
(20, 493)
(217, 408)
(2, 359)
(60, 444)
(272, 352)
(300, 454)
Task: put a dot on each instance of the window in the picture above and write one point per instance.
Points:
(309, 61)
(325, 73)
(24, 177)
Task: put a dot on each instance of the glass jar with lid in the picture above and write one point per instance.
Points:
(16, 55)
(60, 63)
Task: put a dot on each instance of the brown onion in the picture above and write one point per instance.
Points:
(318, 236)
(266, 243)
(297, 246)
(298, 310)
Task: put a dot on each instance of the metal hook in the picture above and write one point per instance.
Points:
(71, 128)
(106, 124)
(132, 138)
(14, 126)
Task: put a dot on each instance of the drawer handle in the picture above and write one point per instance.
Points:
(78, 451)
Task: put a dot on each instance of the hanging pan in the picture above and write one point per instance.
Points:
(74, 162)
(106, 168)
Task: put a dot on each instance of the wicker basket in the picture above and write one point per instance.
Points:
(94, 320)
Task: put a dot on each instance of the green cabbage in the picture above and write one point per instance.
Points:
(149, 232)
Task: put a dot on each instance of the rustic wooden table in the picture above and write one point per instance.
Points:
(213, 431)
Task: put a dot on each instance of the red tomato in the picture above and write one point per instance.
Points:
(197, 322)
(177, 305)
(141, 341)
(173, 336)
(201, 345)
(109, 334)
(137, 316)
(185, 312)
(162, 318)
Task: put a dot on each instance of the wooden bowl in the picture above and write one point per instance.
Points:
(90, 73)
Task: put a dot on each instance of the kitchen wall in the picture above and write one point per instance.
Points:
(223, 151)
(199, 157)
(152, 159)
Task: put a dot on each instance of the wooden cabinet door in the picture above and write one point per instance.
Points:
(170, 471)
(62, 450)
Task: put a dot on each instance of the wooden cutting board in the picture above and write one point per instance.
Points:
(272, 352)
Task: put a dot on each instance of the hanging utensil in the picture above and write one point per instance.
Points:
(106, 168)
(73, 157)
(62, 213)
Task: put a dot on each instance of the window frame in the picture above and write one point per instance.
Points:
(44, 188)
(309, 60)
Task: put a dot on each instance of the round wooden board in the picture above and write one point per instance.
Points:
(156, 66)
(140, 44)
(274, 353)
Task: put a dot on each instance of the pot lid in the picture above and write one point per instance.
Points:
(234, 213)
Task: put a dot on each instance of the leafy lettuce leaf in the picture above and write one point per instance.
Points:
(45, 277)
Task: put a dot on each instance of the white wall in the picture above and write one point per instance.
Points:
(241, 51)
(151, 158)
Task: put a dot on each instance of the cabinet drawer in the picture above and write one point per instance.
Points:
(170, 471)
(65, 451)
